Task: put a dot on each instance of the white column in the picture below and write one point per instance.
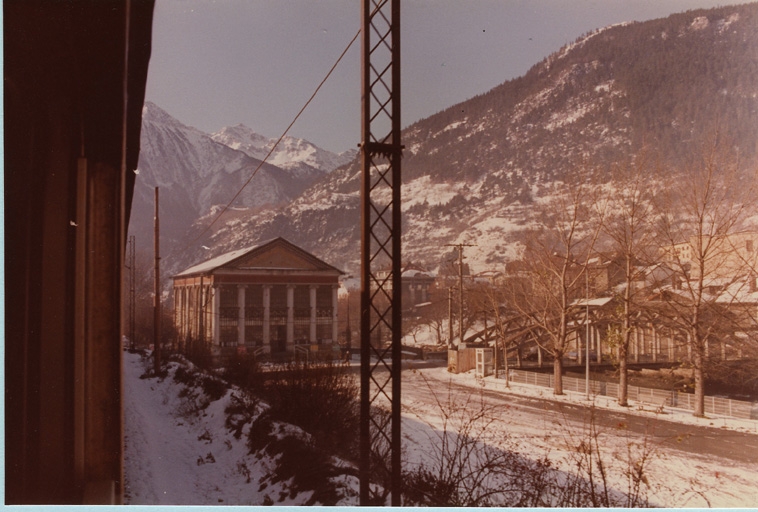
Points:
(194, 322)
(267, 317)
(199, 311)
(241, 314)
(656, 343)
(335, 324)
(215, 314)
(177, 312)
(177, 327)
(290, 318)
(313, 313)
(183, 313)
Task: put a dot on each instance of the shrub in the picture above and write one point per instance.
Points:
(243, 370)
(199, 352)
(242, 409)
(321, 399)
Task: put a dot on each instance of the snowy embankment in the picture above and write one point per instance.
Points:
(180, 451)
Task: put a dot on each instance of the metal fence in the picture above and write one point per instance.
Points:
(659, 397)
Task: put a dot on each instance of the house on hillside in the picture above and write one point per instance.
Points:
(728, 256)
(416, 284)
(271, 297)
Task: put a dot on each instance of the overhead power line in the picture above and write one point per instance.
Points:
(318, 88)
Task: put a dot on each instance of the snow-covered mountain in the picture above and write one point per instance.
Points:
(296, 155)
(198, 172)
(472, 173)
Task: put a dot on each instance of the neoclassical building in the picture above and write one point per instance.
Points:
(274, 296)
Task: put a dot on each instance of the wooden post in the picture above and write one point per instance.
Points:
(157, 292)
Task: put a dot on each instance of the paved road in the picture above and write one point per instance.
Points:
(708, 441)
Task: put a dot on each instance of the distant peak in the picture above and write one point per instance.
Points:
(154, 113)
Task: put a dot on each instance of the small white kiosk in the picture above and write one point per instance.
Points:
(484, 365)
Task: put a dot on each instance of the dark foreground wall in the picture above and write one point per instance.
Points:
(74, 82)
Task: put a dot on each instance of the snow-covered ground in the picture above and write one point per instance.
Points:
(675, 478)
(173, 457)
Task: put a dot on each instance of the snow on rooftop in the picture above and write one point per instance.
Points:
(598, 302)
(218, 261)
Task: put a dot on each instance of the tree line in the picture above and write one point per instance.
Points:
(675, 250)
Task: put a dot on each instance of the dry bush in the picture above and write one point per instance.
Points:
(471, 463)
(590, 482)
(243, 370)
(321, 398)
(199, 352)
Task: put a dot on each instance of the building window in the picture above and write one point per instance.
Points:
(228, 296)
(278, 310)
(228, 315)
(324, 297)
(254, 315)
(324, 329)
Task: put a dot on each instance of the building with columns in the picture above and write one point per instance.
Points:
(272, 296)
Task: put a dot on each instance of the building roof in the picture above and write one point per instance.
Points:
(596, 302)
(246, 259)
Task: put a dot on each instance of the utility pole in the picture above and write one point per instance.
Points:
(450, 317)
(460, 286)
(157, 293)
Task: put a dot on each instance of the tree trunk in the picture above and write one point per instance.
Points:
(505, 363)
(623, 377)
(558, 375)
(699, 384)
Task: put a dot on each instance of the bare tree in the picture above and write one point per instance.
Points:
(629, 227)
(700, 221)
(435, 314)
(555, 260)
(507, 324)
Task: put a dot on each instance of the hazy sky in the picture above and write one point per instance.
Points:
(219, 63)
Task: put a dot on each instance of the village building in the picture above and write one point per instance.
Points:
(729, 256)
(268, 298)
(416, 282)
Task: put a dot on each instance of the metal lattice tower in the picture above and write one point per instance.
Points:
(380, 252)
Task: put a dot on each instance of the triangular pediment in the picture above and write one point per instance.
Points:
(276, 257)
(279, 254)
(275, 254)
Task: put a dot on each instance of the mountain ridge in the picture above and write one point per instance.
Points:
(473, 171)
(196, 172)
